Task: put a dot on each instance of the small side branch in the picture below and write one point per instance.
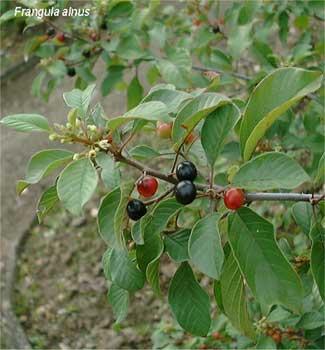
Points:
(294, 197)
(234, 74)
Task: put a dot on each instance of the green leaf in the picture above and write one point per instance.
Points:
(47, 201)
(172, 98)
(106, 213)
(320, 176)
(8, 15)
(173, 74)
(26, 122)
(189, 302)
(106, 264)
(284, 26)
(152, 273)
(317, 257)
(275, 94)
(98, 116)
(215, 130)
(130, 48)
(247, 12)
(134, 93)
(269, 171)
(265, 342)
(151, 248)
(175, 69)
(45, 162)
(124, 272)
(86, 74)
(269, 275)
(37, 84)
(109, 171)
(137, 231)
(142, 152)
(76, 184)
(204, 247)
(150, 111)
(120, 214)
(302, 212)
(113, 76)
(79, 99)
(234, 297)
(193, 112)
(161, 215)
(177, 245)
(311, 320)
(57, 69)
(121, 8)
(119, 299)
(20, 186)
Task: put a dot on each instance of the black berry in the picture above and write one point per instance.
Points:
(71, 72)
(186, 171)
(103, 25)
(216, 30)
(185, 192)
(86, 53)
(50, 32)
(136, 209)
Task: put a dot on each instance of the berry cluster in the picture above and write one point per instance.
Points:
(184, 191)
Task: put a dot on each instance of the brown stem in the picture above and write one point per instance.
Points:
(67, 34)
(127, 140)
(159, 198)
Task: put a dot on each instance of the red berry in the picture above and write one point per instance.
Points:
(277, 337)
(190, 138)
(94, 36)
(216, 335)
(164, 130)
(60, 37)
(234, 198)
(196, 22)
(147, 187)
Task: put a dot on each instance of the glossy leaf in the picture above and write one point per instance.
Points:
(267, 272)
(76, 184)
(79, 99)
(110, 173)
(177, 245)
(190, 304)
(48, 200)
(44, 162)
(193, 112)
(119, 299)
(152, 273)
(302, 212)
(142, 152)
(26, 122)
(134, 93)
(204, 246)
(120, 214)
(172, 98)
(124, 272)
(150, 111)
(276, 93)
(320, 176)
(151, 248)
(234, 297)
(216, 129)
(318, 257)
(161, 215)
(106, 214)
(270, 171)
